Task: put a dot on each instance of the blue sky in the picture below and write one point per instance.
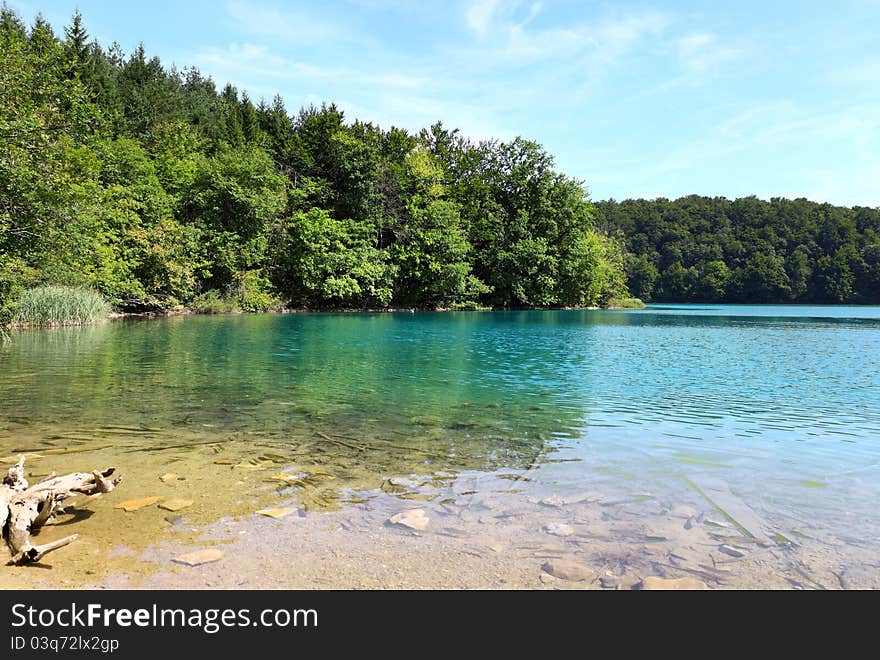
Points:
(772, 98)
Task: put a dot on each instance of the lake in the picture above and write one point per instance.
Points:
(736, 444)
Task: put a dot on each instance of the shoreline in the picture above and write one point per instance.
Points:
(308, 310)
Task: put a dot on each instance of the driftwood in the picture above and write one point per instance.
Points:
(24, 509)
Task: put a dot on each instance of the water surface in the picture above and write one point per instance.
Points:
(773, 409)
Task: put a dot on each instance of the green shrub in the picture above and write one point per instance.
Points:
(212, 302)
(60, 305)
(254, 292)
(626, 303)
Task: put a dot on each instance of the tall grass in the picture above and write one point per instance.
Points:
(61, 305)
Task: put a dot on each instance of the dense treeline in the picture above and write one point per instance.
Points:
(159, 190)
(704, 249)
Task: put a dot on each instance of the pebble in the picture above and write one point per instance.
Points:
(559, 529)
(553, 500)
(280, 512)
(584, 497)
(415, 519)
(654, 583)
(568, 570)
(199, 557)
(733, 551)
(134, 505)
(609, 582)
(175, 504)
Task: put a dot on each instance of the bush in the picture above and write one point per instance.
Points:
(212, 302)
(626, 303)
(254, 292)
(61, 305)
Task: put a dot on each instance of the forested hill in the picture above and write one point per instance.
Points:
(160, 190)
(702, 249)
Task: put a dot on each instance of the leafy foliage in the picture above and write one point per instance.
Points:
(705, 249)
(158, 189)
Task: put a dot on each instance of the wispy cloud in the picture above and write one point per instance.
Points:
(701, 51)
(834, 161)
(296, 25)
(479, 15)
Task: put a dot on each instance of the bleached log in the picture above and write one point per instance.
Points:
(24, 509)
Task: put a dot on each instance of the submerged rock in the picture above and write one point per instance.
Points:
(568, 570)
(175, 504)
(277, 513)
(199, 557)
(733, 551)
(654, 583)
(546, 578)
(559, 529)
(609, 581)
(683, 512)
(133, 505)
(415, 519)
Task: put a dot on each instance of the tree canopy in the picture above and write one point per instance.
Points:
(705, 249)
(158, 188)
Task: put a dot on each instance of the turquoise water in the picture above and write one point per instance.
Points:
(782, 403)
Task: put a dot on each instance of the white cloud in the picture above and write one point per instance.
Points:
(834, 160)
(479, 14)
(293, 25)
(701, 51)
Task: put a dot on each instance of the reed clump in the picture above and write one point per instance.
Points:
(60, 305)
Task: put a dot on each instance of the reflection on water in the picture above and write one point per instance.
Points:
(779, 405)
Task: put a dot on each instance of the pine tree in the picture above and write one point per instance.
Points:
(77, 45)
(250, 124)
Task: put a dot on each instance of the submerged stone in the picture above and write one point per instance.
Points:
(134, 505)
(559, 529)
(654, 583)
(415, 519)
(277, 513)
(568, 570)
(175, 504)
(683, 512)
(733, 551)
(199, 557)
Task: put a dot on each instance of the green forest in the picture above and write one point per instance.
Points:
(158, 190)
(701, 249)
(161, 191)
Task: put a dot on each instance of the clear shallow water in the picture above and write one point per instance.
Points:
(778, 405)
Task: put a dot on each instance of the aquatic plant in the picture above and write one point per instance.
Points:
(61, 305)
